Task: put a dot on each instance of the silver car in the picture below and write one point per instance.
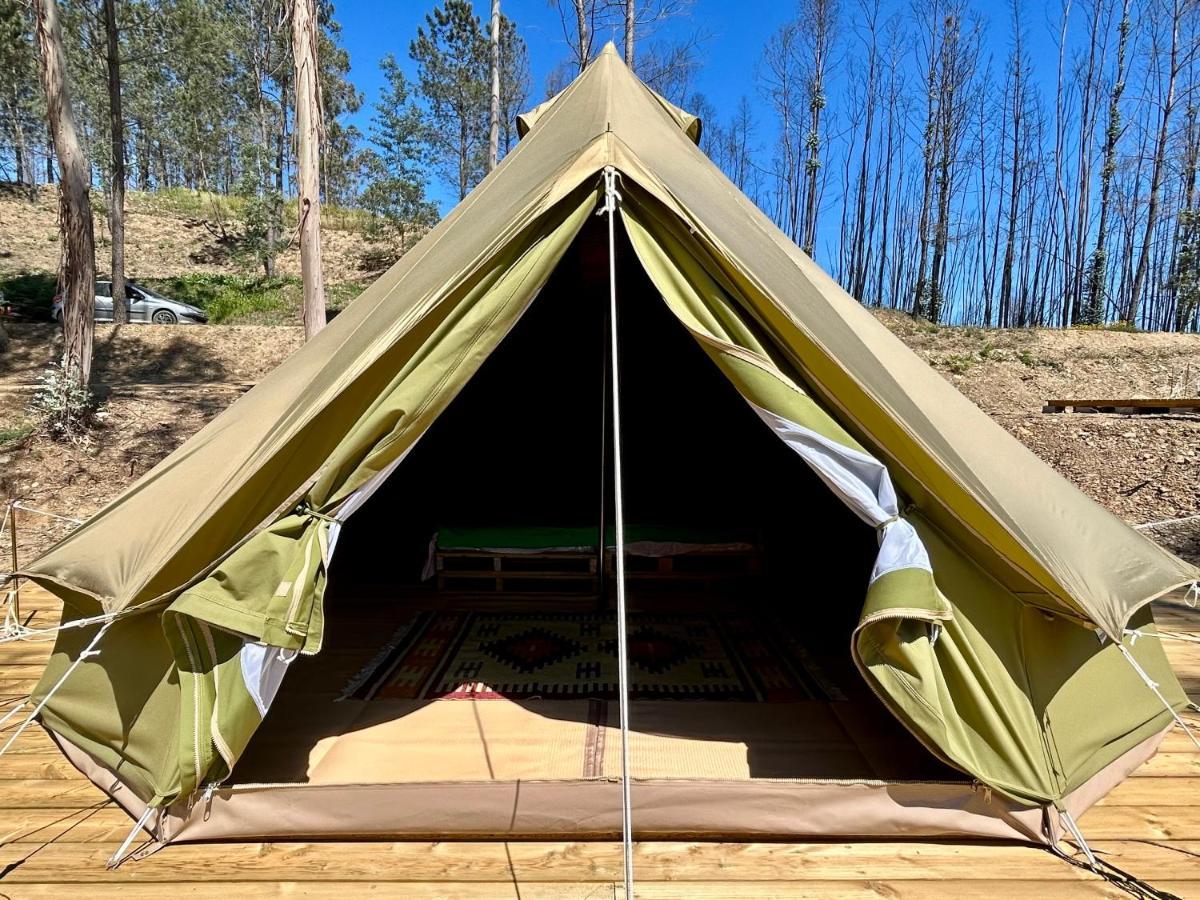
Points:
(144, 305)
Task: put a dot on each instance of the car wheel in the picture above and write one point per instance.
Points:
(164, 317)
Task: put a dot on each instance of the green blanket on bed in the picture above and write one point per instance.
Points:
(531, 538)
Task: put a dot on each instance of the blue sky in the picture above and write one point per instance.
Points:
(371, 29)
(737, 31)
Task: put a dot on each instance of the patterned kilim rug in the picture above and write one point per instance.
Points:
(442, 655)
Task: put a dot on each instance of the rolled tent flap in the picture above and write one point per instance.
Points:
(234, 632)
(904, 612)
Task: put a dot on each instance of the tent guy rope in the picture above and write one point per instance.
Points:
(87, 653)
(1153, 685)
(611, 199)
(12, 628)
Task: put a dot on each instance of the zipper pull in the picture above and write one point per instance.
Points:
(209, 790)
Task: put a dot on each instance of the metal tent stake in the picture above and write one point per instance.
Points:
(611, 198)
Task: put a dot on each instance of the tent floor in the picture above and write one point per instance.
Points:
(387, 742)
(311, 737)
(539, 768)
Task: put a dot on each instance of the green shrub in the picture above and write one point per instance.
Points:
(31, 292)
(232, 299)
(959, 363)
(11, 434)
(62, 407)
(248, 299)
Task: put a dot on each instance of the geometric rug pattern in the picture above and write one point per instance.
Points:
(562, 656)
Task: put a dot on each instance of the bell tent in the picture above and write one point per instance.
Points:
(374, 596)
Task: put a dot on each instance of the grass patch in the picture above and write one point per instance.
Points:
(339, 295)
(12, 434)
(959, 363)
(228, 299)
(233, 299)
(1125, 327)
(248, 299)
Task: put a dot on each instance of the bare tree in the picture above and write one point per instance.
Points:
(77, 277)
(579, 20)
(1089, 90)
(1092, 312)
(780, 83)
(818, 20)
(858, 250)
(630, 20)
(116, 124)
(1185, 280)
(1175, 60)
(1018, 101)
(949, 60)
(494, 124)
(931, 61)
(308, 135)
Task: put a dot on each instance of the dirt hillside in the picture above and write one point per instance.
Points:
(176, 233)
(1144, 468)
(162, 384)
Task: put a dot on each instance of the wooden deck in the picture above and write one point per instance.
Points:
(57, 831)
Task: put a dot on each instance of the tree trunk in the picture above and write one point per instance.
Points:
(494, 131)
(271, 239)
(585, 38)
(78, 275)
(629, 20)
(116, 125)
(49, 154)
(308, 134)
(1097, 276)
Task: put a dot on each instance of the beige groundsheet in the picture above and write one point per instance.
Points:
(387, 742)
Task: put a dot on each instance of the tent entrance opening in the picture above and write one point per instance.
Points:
(471, 630)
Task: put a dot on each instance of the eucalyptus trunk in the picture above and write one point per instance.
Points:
(308, 134)
(116, 125)
(77, 276)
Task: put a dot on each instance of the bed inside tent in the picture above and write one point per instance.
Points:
(468, 669)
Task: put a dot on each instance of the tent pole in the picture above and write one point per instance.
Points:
(611, 197)
(601, 573)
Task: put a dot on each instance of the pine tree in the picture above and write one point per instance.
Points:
(451, 53)
(395, 169)
(21, 107)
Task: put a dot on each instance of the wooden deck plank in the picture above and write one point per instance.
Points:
(1158, 402)
(1010, 889)
(535, 862)
(57, 830)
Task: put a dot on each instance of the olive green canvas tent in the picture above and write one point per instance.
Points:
(987, 625)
